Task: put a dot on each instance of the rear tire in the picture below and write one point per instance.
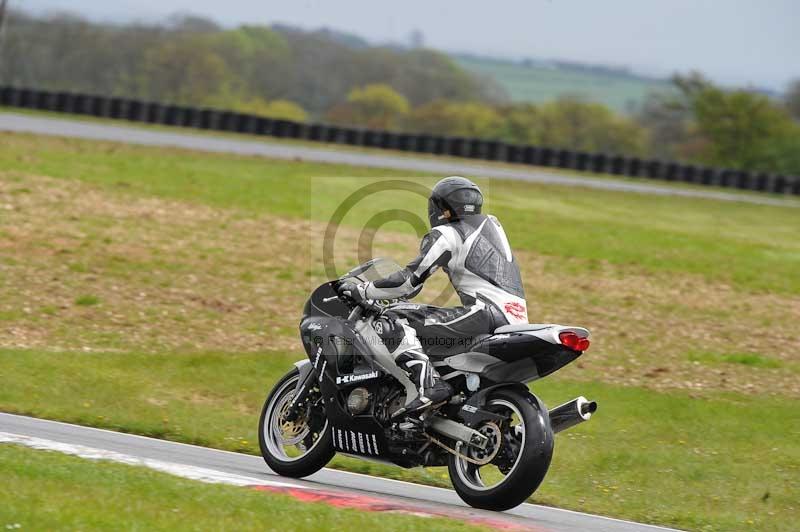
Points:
(531, 461)
(313, 459)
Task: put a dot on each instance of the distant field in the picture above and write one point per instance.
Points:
(157, 291)
(539, 84)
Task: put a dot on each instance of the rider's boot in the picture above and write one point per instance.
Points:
(432, 388)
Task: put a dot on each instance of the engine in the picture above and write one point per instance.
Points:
(379, 399)
(358, 401)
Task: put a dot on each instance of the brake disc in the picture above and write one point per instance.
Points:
(291, 432)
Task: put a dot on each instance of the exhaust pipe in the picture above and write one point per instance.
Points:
(570, 414)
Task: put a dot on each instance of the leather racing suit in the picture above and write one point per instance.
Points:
(475, 253)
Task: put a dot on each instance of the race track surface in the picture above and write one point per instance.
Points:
(371, 493)
(277, 150)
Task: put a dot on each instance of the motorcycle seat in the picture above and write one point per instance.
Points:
(522, 327)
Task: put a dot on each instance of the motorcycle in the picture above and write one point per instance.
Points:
(494, 435)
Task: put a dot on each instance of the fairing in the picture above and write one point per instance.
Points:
(323, 301)
(523, 357)
(334, 349)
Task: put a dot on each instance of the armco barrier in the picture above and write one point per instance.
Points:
(491, 150)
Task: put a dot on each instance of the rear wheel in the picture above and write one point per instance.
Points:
(300, 447)
(516, 459)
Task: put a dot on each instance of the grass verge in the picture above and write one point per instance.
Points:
(50, 491)
(748, 246)
(157, 291)
(721, 462)
(111, 247)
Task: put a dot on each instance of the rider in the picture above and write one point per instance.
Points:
(473, 250)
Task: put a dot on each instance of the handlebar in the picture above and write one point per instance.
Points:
(364, 304)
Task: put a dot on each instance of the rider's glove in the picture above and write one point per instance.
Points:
(356, 292)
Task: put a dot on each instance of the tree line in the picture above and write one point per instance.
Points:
(285, 72)
(192, 61)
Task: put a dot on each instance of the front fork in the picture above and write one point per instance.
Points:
(304, 384)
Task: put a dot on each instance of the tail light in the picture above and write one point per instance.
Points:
(573, 341)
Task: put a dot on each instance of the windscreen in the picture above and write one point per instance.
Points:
(373, 270)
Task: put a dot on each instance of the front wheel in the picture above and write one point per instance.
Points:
(516, 458)
(294, 448)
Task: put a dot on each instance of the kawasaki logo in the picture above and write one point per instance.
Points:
(347, 379)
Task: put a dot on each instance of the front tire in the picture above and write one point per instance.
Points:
(294, 449)
(520, 462)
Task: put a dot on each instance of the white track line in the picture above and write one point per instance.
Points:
(180, 470)
(258, 481)
(209, 476)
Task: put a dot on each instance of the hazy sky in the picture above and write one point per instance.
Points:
(733, 41)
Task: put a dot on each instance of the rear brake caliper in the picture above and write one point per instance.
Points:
(493, 444)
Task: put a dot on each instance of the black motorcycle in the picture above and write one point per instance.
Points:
(494, 435)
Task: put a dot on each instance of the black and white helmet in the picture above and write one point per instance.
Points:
(452, 198)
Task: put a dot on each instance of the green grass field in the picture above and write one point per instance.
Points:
(640, 450)
(50, 491)
(157, 291)
(539, 84)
